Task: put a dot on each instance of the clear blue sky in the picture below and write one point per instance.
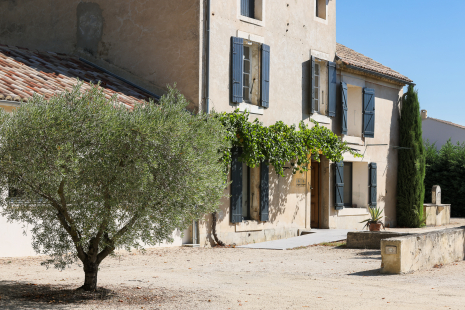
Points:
(424, 40)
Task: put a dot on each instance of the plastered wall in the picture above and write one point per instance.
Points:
(380, 149)
(291, 31)
(152, 43)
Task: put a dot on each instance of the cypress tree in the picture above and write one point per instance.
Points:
(411, 168)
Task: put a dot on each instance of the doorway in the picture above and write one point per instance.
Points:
(315, 196)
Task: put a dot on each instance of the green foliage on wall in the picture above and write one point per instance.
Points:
(411, 168)
(280, 144)
(446, 168)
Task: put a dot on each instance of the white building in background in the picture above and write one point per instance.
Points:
(439, 131)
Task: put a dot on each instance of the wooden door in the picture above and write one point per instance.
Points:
(315, 196)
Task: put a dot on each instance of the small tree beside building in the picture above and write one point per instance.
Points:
(91, 175)
(411, 168)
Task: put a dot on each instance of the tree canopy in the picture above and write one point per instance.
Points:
(93, 176)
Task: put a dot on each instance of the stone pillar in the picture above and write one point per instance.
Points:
(436, 195)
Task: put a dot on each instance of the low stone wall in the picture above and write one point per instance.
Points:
(422, 251)
(369, 239)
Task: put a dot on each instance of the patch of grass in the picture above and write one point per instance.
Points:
(339, 244)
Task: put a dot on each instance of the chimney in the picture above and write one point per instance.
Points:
(424, 114)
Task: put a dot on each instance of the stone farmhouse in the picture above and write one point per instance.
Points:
(279, 60)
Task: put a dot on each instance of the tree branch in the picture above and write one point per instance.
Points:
(111, 247)
(63, 216)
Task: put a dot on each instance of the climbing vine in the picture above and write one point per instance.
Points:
(280, 144)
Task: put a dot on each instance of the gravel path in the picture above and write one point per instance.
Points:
(316, 277)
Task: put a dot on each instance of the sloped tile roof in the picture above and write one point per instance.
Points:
(352, 58)
(446, 122)
(24, 72)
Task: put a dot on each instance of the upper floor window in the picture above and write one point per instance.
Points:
(316, 88)
(320, 9)
(248, 79)
(250, 74)
(248, 8)
(252, 11)
(358, 111)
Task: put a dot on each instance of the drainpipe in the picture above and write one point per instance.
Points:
(207, 60)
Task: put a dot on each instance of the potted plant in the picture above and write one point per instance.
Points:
(374, 223)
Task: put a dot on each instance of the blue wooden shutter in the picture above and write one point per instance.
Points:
(373, 184)
(265, 91)
(344, 107)
(312, 87)
(332, 89)
(248, 8)
(236, 186)
(339, 180)
(368, 112)
(237, 55)
(264, 192)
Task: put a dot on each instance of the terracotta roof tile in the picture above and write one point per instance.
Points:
(353, 58)
(24, 72)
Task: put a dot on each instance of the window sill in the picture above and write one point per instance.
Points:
(251, 108)
(252, 20)
(353, 212)
(320, 118)
(353, 140)
(250, 225)
(321, 20)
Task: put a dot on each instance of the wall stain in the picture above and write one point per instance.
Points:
(89, 27)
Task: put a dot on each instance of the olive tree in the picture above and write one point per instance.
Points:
(94, 176)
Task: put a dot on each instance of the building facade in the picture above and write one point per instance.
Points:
(278, 60)
(438, 131)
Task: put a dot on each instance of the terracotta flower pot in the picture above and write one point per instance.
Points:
(375, 226)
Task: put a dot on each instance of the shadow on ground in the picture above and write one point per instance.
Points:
(22, 295)
(14, 295)
(369, 254)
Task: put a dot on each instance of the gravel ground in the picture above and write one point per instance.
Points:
(316, 277)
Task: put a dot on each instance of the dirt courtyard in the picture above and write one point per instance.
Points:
(316, 277)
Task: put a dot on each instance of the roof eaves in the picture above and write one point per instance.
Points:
(376, 73)
(445, 122)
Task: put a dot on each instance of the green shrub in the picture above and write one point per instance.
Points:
(446, 168)
(411, 168)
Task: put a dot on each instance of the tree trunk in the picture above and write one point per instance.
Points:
(90, 282)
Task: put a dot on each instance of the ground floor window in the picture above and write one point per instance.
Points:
(348, 167)
(245, 192)
(355, 184)
(249, 191)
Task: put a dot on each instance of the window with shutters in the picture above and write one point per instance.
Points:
(250, 72)
(352, 180)
(252, 11)
(249, 191)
